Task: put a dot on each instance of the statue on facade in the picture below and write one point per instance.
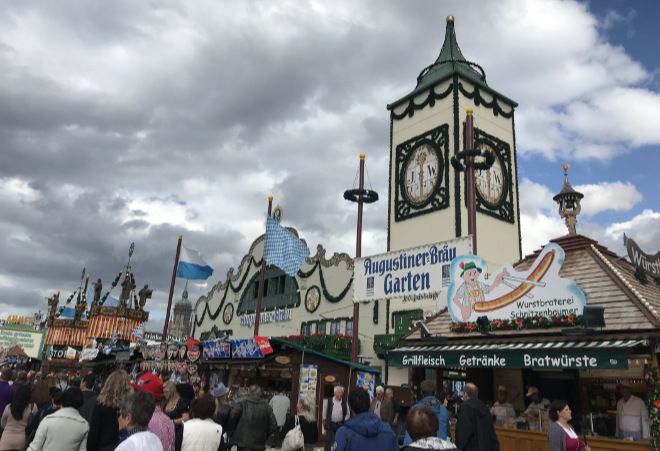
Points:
(52, 304)
(80, 307)
(144, 294)
(126, 287)
(98, 286)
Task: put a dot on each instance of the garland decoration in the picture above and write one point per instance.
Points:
(61, 309)
(652, 388)
(114, 284)
(530, 322)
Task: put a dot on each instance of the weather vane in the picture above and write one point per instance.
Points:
(130, 254)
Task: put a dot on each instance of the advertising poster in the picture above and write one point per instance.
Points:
(512, 295)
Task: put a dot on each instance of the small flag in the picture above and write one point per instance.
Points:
(192, 266)
(115, 338)
(264, 345)
(138, 331)
(283, 249)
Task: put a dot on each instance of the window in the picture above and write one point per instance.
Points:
(321, 327)
(306, 329)
(401, 321)
(349, 328)
(335, 327)
(280, 291)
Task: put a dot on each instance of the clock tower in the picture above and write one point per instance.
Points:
(427, 196)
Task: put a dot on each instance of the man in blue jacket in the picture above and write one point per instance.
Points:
(429, 400)
(364, 430)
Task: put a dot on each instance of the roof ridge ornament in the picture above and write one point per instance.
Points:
(569, 202)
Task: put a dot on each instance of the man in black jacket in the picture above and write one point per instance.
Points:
(89, 396)
(474, 424)
(251, 422)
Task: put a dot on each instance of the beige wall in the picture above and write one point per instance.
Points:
(498, 241)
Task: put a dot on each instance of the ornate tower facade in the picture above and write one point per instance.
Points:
(182, 317)
(427, 196)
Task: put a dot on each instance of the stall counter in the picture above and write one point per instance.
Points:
(524, 440)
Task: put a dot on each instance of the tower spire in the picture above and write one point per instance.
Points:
(451, 60)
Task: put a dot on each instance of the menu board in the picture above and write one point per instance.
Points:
(308, 379)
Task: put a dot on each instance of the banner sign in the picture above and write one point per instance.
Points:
(217, 349)
(511, 294)
(89, 354)
(552, 359)
(277, 315)
(158, 336)
(30, 340)
(246, 348)
(414, 274)
(649, 263)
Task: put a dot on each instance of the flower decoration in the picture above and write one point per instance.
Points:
(652, 387)
(529, 322)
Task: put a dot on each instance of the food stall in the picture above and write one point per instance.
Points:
(607, 333)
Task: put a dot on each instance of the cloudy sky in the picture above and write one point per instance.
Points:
(139, 121)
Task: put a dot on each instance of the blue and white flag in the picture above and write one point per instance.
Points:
(283, 249)
(115, 337)
(191, 266)
(138, 331)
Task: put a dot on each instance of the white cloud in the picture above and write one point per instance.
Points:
(617, 196)
(643, 228)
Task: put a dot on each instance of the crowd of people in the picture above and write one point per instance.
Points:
(57, 413)
(53, 413)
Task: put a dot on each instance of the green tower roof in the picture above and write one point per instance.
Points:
(184, 297)
(450, 61)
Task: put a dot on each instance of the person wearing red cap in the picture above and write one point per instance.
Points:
(160, 424)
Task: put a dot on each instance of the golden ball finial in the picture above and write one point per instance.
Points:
(469, 111)
(450, 18)
(362, 156)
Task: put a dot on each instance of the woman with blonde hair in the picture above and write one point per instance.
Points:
(170, 397)
(306, 417)
(104, 427)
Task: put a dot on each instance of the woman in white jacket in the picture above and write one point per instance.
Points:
(64, 430)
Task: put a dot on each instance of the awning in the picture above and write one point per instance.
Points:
(357, 366)
(606, 354)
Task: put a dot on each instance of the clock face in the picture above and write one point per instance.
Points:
(490, 182)
(494, 186)
(421, 174)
